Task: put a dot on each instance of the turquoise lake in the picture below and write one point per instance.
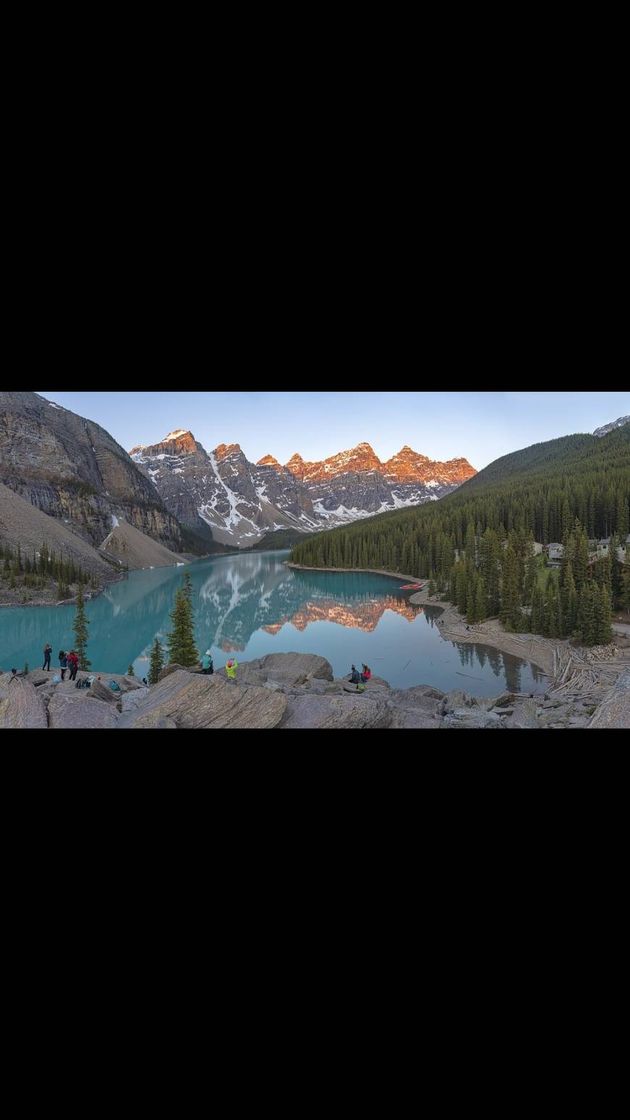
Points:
(251, 605)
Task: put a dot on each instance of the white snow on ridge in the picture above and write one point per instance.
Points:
(174, 435)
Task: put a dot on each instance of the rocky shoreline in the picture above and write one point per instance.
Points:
(299, 691)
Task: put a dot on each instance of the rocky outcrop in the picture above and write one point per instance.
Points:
(71, 469)
(192, 701)
(620, 423)
(293, 691)
(66, 710)
(240, 502)
(21, 706)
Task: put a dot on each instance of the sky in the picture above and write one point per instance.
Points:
(479, 427)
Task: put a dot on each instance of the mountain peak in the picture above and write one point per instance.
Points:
(177, 442)
(268, 461)
(225, 449)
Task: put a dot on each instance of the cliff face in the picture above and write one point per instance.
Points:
(72, 469)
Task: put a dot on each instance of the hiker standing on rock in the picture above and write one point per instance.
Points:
(47, 654)
(231, 668)
(73, 665)
(207, 664)
(63, 664)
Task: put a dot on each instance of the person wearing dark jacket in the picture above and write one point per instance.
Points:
(63, 664)
(47, 653)
(73, 665)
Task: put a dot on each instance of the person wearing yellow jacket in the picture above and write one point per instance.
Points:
(231, 668)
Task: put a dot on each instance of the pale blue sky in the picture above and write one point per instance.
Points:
(479, 427)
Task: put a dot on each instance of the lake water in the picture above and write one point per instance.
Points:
(251, 605)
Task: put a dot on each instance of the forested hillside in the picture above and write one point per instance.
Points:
(483, 534)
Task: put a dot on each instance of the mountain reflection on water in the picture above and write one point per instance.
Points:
(251, 605)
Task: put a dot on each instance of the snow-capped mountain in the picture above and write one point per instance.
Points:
(620, 423)
(240, 502)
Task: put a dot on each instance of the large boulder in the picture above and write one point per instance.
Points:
(21, 706)
(102, 692)
(524, 715)
(457, 699)
(465, 717)
(133, 700)
(80, 710)
(346, 710)
(287, 666)
(196, 701)
(39, 676)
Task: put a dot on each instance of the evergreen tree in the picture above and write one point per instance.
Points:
(480, 601)
(625, 584)
(510, 596)
(80, 626)
(569, 599)
(602, 632)
(181, 640)
(157, 662)
(130, 671)
(585, 628)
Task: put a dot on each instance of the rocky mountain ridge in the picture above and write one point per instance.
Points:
(620, 423)
(240, 501)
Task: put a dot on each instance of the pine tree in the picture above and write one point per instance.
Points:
(602, 632)
(586, 616)
(130, 671)
(80, 626)
(625, 583)
(157, 662)
(510, 597)
(181, 640)
(480, 601)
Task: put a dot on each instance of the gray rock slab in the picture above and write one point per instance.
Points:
(81, 710)
(21, 705)
(194, 701)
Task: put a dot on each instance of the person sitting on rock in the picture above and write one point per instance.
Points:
(207, 664)
(366, 673)
(355, 676)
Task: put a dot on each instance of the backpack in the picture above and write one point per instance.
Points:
(115, 687)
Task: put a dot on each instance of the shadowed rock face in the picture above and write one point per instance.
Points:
(72, 469)
(20, 704)
(193, 701)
